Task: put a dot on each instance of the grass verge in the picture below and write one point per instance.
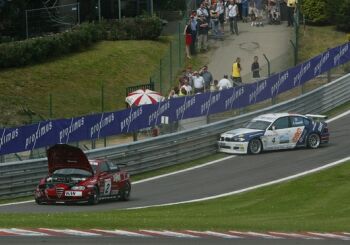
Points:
(75, 81)
(318, 202)
(317, 39)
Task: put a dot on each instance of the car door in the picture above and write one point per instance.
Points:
(278, 135)
(105, 179)
(298, 132)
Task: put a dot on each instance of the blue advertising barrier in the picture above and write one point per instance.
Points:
(132, 119)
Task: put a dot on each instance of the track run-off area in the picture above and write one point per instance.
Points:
(228, 176)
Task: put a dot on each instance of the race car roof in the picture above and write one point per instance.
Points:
(65, 156)
(270, 117)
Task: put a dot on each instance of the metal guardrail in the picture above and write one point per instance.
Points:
(20, 178)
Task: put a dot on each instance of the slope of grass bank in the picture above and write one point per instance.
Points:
(318, 202)
(317, 39)
(75, 80)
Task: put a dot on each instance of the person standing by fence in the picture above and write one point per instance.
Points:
(291, 4)
(188, 39)
(255, 68)
(194, 32)
(233, 15)
(203, 28)
(236, 72)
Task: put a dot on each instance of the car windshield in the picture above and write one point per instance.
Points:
(72, 171)
(261, 125)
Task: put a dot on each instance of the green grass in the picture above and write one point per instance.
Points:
(75, 80)
(318, 202)
(317, 39)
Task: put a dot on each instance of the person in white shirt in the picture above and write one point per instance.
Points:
(187, 86)
(233, 16)
(198, 83)
(224, 83)
(220, 9)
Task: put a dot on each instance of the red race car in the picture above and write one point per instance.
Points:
(74, 178)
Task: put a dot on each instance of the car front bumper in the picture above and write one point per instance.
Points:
(233, 147)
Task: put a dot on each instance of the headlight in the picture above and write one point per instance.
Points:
(239, 139)
(78, 188)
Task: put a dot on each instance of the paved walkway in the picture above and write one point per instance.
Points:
(271, 40)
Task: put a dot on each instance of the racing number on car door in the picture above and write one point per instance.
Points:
(107, 187)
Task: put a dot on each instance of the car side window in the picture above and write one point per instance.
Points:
(306, 122)
(281, 123)
(104, 167)
(113, 166)
(296, 121)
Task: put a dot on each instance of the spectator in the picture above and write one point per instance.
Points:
(233, 15)
(198, 83)
(188, 38)
(202, 10)
(203, 29)
(220, 9)
(224, 83)
(290, 11)
(258, 12)
(187, 86)
(174, 93)
(183, 92)
(214, 21)
(207, 76)
(214, 86)
(244, 13)
(239, 5)
(194, 31)
(236, 72)
(256, 68)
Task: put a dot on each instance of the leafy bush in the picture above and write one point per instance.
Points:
(343, 16)
(316, 12)
(19, 53)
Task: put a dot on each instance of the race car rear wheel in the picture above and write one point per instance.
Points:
(38, 201)
(254, 146)
(95, 198)
(125, 192)
(313, 141)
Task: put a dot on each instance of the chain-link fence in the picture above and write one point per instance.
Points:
(51, 19)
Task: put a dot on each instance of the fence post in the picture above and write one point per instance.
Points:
(179, 31)
(268, 65)
(27, 31)
(295, 52)
(171, 62)
(103, 108)
(50, 106)
(78, 13)
(160, 77)
(329, 75)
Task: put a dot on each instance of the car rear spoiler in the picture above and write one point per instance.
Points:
(317, 117)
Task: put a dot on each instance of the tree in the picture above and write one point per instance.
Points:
(343, 16)
(316, 11)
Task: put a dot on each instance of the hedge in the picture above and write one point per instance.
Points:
(34, 50)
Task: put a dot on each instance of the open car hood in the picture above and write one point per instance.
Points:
(66, 156)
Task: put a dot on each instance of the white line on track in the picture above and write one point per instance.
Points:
(183, 170)
(252, 187)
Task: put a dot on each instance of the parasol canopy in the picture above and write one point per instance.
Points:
(143, 97)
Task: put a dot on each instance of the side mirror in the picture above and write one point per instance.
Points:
(273, 128)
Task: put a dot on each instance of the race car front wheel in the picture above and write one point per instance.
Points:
(125, 192)
(254, 146)
(313, 141)
(95, 198)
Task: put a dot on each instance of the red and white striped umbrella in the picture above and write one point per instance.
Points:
(143, 97)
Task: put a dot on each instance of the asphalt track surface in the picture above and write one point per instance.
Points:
(225, 176)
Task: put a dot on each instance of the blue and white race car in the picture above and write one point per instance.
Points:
(276, 131)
